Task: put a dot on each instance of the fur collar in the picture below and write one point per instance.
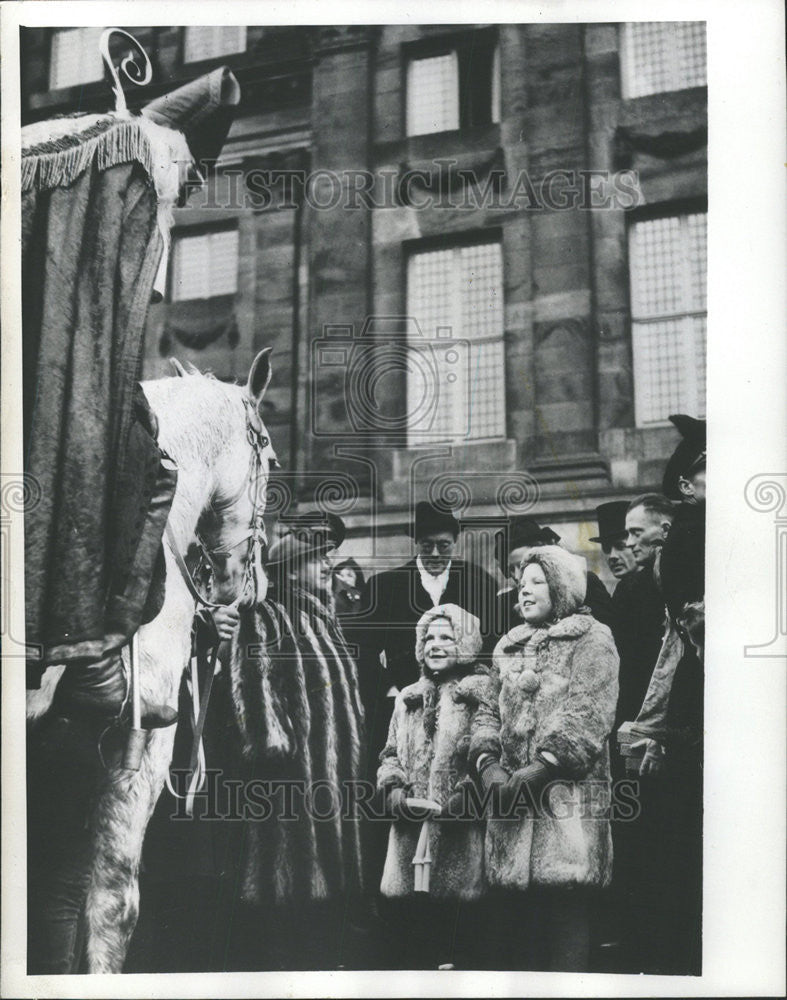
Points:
(567, 628)
(461, 688)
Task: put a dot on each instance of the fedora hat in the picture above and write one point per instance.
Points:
(306, 535)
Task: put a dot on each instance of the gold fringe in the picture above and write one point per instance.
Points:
(125, 142)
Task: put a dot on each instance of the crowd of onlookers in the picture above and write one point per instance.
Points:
(524, 762)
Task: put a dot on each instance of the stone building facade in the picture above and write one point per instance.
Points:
(476, 250)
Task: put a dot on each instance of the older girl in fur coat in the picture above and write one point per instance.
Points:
(426, 757)
(540, 746)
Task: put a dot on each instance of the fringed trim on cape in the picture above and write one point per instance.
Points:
(60, 157)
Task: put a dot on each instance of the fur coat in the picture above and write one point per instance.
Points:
(427, 753)
(552, 689)
(299, 717)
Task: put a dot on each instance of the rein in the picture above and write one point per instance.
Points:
(205, 647)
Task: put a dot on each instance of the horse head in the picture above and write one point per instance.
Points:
(216, 434)
(231, 529)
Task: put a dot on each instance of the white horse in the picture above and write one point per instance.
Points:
(204, 425)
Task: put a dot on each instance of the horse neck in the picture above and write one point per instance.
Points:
(197, 421)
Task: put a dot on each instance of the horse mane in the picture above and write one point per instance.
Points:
(195, 412)
(199, 418)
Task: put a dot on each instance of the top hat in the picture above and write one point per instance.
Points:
(203, 110)
(688, 457)
(429, 519)
(307, 535)
(611, 521)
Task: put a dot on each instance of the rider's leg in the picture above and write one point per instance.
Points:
(99, 688)
(64, 770)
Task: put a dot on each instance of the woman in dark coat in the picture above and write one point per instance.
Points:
(300, 722)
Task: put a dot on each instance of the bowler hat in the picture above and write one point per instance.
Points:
(688, 457)
(611, 521)
(429, 519)
(306, 535)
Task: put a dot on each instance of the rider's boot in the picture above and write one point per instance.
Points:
(99, 689)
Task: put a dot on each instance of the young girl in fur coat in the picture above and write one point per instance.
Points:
(539, 741)
(426, 757)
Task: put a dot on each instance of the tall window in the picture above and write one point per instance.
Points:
(663, 55)
(74, 57)
(668, 260)
(454, 84)
(213, 41)
(205, 265)
(456, 295)
(433, 94)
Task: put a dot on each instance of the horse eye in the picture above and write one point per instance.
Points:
(264, 441)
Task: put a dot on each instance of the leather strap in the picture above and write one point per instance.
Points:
(184, 570)
(202, 656)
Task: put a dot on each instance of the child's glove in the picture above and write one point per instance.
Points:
(395, 803)
(491, 774)
(527, 784)
(492, 778)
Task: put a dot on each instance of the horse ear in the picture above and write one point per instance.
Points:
(179, 369)
(259, 375)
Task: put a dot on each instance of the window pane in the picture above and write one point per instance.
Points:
(487, 390)
(692, 54)
(458, 290)
(433, 94)
(668, 266)
(482, 291)
(205, 265)
(75, 57)
(210, 42)
(664, 55)
(699, 329)
(430, 300)
(659, 370)
(656, 284)
(697, 226)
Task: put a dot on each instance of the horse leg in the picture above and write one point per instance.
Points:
(126, 802)
(39, 700)
(121, 817)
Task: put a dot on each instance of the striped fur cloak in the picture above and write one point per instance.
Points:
(299, 716)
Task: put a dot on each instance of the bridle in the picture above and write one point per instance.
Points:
(204, 655)
(254, 534)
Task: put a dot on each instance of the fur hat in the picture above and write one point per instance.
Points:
(467, 631)
(566, 575)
